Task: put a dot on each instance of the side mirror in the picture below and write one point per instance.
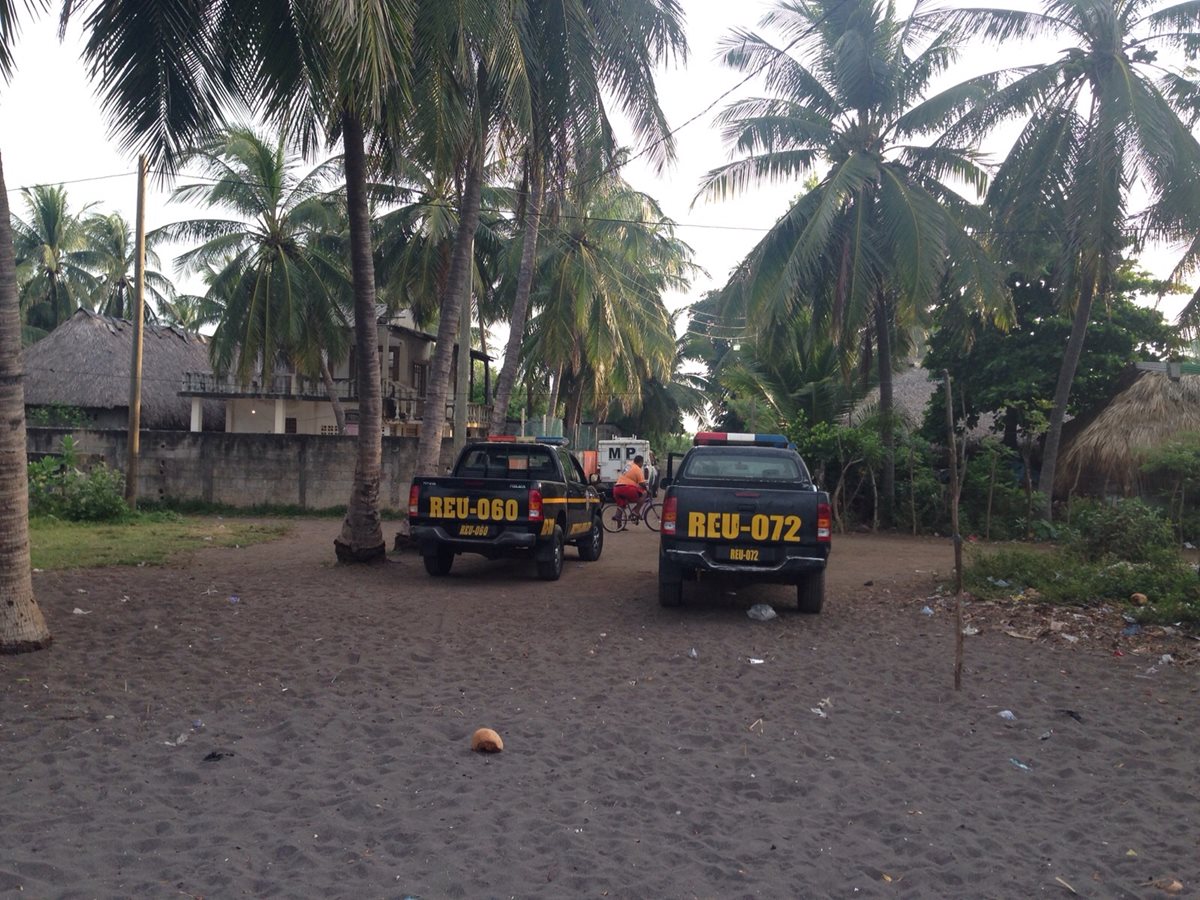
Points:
(666, 482)
(594, 478)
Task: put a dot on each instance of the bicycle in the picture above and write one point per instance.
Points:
(618, 516)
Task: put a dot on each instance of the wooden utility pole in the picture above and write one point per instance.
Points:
(958, 567)
(139, 317)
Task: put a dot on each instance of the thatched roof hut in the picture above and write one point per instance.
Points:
(84, 363)
(1105, 454)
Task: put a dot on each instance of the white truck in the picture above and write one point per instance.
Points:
(614, 455)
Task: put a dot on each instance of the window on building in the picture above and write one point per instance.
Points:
(289, 426)
(420, 375)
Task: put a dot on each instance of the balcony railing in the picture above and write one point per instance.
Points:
(396, 408)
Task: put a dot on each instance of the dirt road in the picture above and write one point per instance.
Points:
(262, 722)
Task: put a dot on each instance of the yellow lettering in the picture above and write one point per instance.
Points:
(777, 531)
(696, 525)
(511, 510)
(793, 534)
(497, 509)
(464, 507)
(714, 524)
(731, 526)
(760, 528)
(435, 507)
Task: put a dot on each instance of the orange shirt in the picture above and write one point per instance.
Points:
(633, 475)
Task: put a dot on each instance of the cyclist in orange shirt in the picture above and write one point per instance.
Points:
(631, 484)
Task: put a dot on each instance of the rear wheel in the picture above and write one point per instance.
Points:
(670, 593)
(652, 515)
(438, 562)
(592, 544)
(613, 518)
(550, 564)
(810, 593)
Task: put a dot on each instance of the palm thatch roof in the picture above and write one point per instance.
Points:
(85, 363)
(1106, 453)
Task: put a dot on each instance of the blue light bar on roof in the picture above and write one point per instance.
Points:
(734, 438)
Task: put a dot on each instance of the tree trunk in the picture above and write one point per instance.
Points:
(458, 283)
(552, 400)
(22, 625)
(1062, 393)
(339, 413)
(462, 377)
(361, 539)
(883, 338)
(520, 310)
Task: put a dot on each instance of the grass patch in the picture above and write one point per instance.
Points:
(149, 538)
(1064, 578)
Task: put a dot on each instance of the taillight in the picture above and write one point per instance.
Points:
(535, 505)
(414, 500)
(824, 523)
(670, 512)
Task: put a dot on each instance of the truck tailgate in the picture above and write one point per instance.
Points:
(747, 526)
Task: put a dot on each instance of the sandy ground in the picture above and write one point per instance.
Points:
(261, 722)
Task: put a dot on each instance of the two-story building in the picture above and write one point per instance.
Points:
(293, 404)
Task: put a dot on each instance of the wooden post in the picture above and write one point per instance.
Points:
(954, 492)
(139, 316)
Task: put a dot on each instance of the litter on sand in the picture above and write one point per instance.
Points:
(761, 612)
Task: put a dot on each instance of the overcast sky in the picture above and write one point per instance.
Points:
(52, 131)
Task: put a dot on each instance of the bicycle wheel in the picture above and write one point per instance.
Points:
(613, 518)
(651, 516)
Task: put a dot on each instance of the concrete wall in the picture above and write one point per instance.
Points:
(308, 470)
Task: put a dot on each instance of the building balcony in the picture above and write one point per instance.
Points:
(400, 407)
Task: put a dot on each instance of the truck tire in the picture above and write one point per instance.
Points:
(670, 593)
(810, 593)
(592, 544)
(438, 562)
(550, 560)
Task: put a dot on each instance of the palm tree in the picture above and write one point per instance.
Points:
(1102, 119)
(22, 625)
(50, 244)
(601, 325)
(878, 230)
(577, 52)
(109, 255)
(280, 288)
(322, 70)
(474, 92)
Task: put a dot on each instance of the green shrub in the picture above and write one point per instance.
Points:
(57, 487)
(95, 496)
(1062, 577)
(1127, 530)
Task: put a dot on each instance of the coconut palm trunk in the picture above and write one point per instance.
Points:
(883, 341)
(339, 412)
(458, 283)
(1062, 393)
(361, 539)
(22, 625)
(520, 310)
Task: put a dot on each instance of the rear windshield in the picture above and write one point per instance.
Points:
(750, 465)
(519, 462)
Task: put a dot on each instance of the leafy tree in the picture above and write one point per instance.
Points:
(323, 70)
(872, 242)
(1000, 372)
(280, 289)
(577, 54)
(109, 255)
(50, 243)
(1102, 118)
(601, 325)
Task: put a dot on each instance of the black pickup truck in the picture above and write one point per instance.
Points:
(507, 497)
(743, 506)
